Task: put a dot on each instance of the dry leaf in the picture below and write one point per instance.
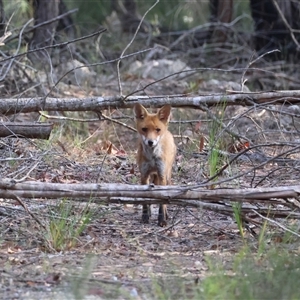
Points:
(201, 143)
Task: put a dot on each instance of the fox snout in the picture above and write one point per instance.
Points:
(150, 142)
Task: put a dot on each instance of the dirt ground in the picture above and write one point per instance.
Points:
(116, 255)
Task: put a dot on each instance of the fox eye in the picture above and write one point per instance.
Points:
(157, 129)
(144, 129)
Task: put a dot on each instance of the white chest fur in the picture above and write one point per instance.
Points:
(153, 162)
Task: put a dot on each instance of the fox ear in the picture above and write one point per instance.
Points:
(164, 113)
(139, 111)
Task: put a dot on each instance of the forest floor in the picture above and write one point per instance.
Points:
(90, 251)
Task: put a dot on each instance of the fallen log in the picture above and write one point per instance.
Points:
(11, 106)
(26, 130)
(281, 201)
(33, 189)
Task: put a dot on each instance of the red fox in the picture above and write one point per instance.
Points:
(156, 153)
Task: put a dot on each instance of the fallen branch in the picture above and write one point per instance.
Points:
(26, 130)
(218, 199)
(12, 106)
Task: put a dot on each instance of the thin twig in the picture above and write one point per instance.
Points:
(118, 122)
(268, 160)
(198, 28)
(192, 72)
(157, 231)
(6, 33)
(128, 45)
(209, 225)
(263, 55)
(243, 81)
(45, 23)
(27, 174)
(17, 50)
(276, 223)
(222, 125)
(63, 118)
(102, 164)
(29, 212)
(54, 46)
(92, 65)
(291, 30)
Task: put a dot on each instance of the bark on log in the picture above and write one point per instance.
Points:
(26, 130)
(11, 106)
(177, 195)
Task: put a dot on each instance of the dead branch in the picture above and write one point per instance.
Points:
(219, 199)
(26, 130)
(286, 23)
(44, 23)
(52, 46)
(11, 106)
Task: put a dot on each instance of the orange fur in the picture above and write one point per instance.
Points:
(156, 152)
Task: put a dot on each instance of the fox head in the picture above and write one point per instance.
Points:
(151, 127)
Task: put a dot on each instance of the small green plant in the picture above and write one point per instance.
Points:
(237, 209)
(262, 238)
(273, 275)
(193, 86)
(12, 162)
(66, 224)
(216, 158)
(79, 282)
(213, 160)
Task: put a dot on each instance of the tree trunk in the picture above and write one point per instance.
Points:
(271, 32)
(44, 10)
(221, 11)
(2, 19)
(128, 16)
